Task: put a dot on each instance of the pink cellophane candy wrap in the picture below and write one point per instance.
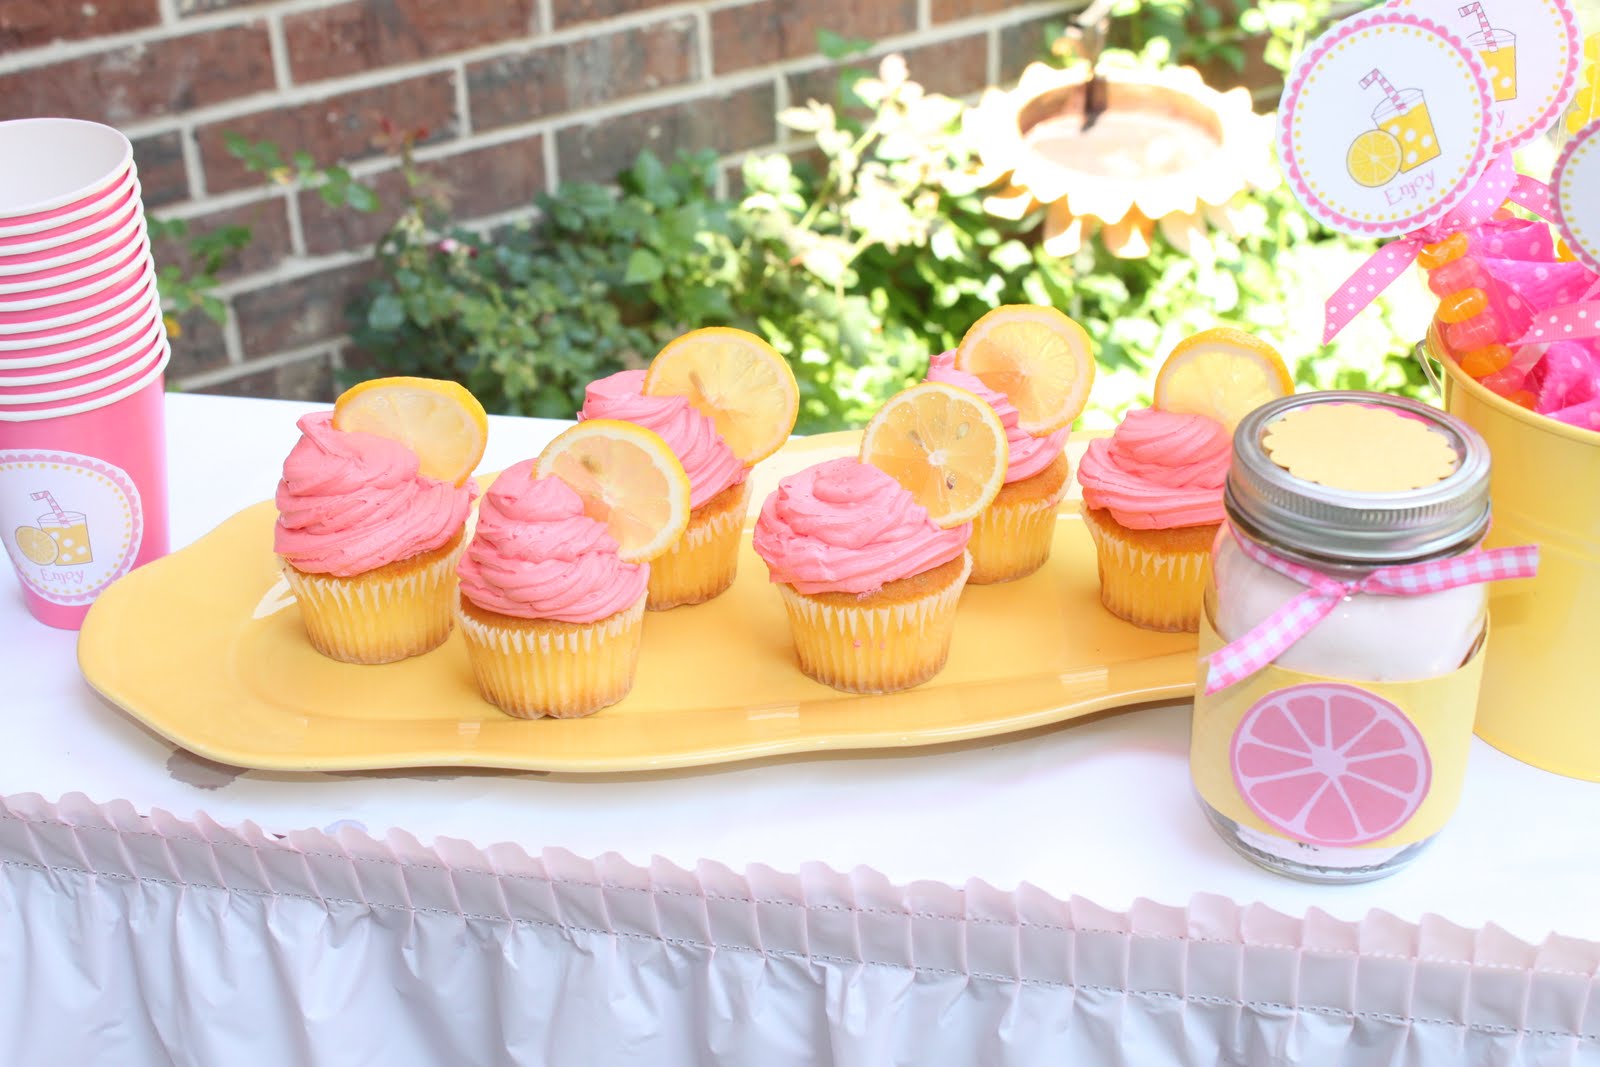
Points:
(1526, 279)
(1519, 257)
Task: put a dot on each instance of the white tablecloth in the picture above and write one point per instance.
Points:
(946, 887)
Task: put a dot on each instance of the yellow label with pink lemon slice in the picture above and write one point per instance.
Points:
(1330, 761)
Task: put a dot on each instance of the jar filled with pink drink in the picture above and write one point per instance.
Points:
(1342, 637)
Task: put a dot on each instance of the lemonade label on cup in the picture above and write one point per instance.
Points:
(1385, 123)
(1574, 183)
(1530, 49)
(1331, 762)
(71, 524)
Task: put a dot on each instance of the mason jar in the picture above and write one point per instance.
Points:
(1341, 649)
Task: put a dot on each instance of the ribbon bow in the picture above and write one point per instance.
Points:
(1240, 659)
(1499, 183)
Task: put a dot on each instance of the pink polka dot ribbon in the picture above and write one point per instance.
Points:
(1499, 183)
(1268, 640)
(1575, 322)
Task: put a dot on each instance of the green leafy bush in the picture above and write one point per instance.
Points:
(527, 316)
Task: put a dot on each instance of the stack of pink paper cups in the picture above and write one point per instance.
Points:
(83, 350)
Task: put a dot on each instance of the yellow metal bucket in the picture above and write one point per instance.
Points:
(1540, 700)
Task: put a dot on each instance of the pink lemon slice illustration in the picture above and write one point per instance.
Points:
(1330, 764)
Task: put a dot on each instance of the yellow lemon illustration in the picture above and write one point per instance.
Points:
(1374, 158)
(38, 546)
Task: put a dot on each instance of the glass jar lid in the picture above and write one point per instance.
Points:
(1390, 481)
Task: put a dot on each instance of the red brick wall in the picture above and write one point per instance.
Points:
(516, 95)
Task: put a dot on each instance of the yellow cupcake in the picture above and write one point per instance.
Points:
(531, 668)
(1034, 366)
(1165, 469)
(553, 597)
(879, 642)
(722, 399)
(1011, 538)
(383, 474)
(870, 555)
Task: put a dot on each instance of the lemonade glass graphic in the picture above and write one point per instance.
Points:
(1404, 116)
(1498, 50)
(60, 538)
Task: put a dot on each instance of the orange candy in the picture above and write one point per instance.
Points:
(1475, 332)
(1486, 360)
(1459, 307)
(1522, 398)
(1437, 255)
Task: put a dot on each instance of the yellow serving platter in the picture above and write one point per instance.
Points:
(206, 648)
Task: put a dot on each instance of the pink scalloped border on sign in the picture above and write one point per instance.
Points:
(130, 492)
(1585, 142)
(1286, 156)
(1569, 84)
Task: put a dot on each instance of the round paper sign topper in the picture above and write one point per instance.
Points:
(1530, 49)
(1384, 124)
(1576, 182)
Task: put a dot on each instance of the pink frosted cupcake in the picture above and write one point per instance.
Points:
(1011, 538)
(552, 617)
(367, 543)
(704, 561)
(1152, 499)
(870, 584)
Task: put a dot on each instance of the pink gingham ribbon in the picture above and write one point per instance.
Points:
(1240, 659)
(1499, 183)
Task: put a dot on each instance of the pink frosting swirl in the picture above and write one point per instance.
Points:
(1158, 470)
(353, 502)
(1029, 454)
(846, 527)
(536, 555)
(693, 438)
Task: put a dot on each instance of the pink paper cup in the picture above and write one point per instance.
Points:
(83, 496)
(69, 162)
(129, 281)
(125, 331)
(122, 203)
(26, 397)
(87, 212)
(80, 259)
(127, 262)
(116, 313)
(84, 359)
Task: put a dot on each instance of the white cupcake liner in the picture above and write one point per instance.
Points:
(564, 673)
(1151, 589)
(1002, 532)
(704, 561)
(866, 649)
(363, 619)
